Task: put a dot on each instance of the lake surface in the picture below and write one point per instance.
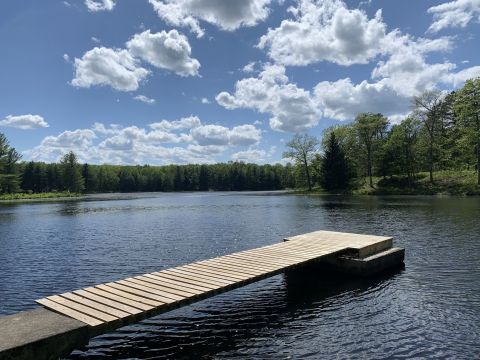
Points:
(429, 309)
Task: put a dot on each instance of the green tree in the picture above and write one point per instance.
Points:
(71, 175)
(203, 178)
(371, 129)
(346, 136)
(467, 108)
(401, 148)
(336, 174)
(9, 157)
(428, 108)
(90, 176)
(302, 151)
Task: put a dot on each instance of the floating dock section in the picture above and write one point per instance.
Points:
(68, 320)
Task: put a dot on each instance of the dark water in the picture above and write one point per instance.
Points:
(430, 309)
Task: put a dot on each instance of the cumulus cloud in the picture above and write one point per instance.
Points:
(189, 122)
(245, 135)
(193, 142)
(24, 122)
(258, 156)
(113, 67)
(458, 13)
(250, 156)
(210, 135)
(242, 135)
(99, 5)
(121, 68)
(144, 99)
(326, 30)
(166, 50)
(291, 108)
(458, 78)
(227, 15)
(343, 100)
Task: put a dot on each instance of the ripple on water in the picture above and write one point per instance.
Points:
(429, 310)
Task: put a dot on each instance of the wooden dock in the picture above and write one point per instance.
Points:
(114, 304)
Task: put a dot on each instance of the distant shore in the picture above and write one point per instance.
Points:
(36, 197)
(446, 183)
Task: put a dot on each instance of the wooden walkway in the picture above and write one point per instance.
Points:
(132, 299)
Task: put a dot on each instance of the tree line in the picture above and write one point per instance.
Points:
(442, 132)
(69, 175)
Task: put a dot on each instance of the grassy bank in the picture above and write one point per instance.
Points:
(48, 195)
(459, 183)
(455, 183)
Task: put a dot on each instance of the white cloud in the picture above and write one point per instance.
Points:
(325, 30)
(457, 13)
(95, 39)
(291, 108)
(227, 15)
(99, 5)
(458, 79)
(192, 142)
(183, 123)
(407, 72)
(205, 100)
(66, 58)
(145, 99)
(24, 122)
(166, 50)
(113, 67)
(249, 68)
(210, 135)
(244, 135)
(343, 100)
(250, 156)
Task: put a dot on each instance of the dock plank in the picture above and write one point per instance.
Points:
(130, 298)
(95, 305)
(82, 308)
(69, 312)
(121, 299)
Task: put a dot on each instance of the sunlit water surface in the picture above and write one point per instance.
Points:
(429, 309)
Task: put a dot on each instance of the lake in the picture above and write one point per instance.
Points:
(429, 309)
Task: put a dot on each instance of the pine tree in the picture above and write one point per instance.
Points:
(71, 176)
(336, 173)
(9, 157)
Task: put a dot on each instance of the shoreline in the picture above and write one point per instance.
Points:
(314, 192)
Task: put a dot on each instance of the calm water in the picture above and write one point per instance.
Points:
(430, 309)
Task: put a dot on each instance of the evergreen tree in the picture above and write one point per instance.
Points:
(71, 175)
(336, 173)
(9, 157)
(203, 178)
(90, 178)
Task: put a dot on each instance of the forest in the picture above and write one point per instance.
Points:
(435, 148)
(69, 175)
(441, 134)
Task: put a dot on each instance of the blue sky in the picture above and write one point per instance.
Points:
(194, 81)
